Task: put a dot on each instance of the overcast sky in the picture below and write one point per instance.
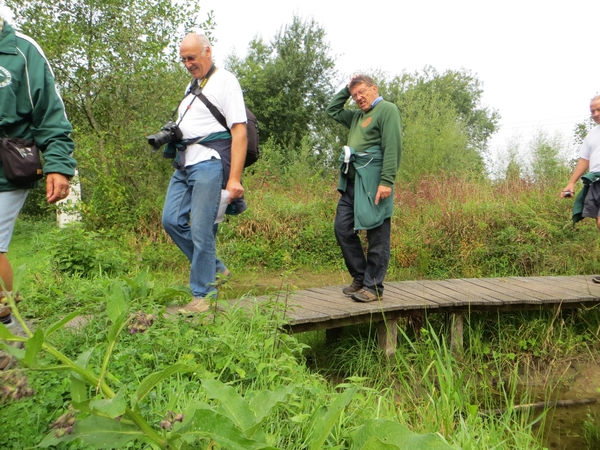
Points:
(538, 60)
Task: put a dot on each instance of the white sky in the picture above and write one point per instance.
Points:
(538, 60)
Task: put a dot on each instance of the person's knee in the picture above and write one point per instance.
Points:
(6, 273)
(169, 223)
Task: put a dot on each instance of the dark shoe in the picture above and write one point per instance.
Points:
(365, 296)
(354, 287)
(596, 279)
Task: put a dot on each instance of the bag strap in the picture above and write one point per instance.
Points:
(213, 109)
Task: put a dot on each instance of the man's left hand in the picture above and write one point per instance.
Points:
(235, 188)
(383, 192)
(57, 187)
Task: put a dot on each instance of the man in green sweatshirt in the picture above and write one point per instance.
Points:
(31, 109)
(369, 164)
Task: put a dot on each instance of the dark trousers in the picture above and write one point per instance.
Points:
(369, 269)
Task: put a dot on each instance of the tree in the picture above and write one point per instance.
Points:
(463, 92)
(116, 64)
(287, 83)
(547, 166)
(444, 126)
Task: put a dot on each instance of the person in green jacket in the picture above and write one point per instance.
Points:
(587, 203)
(369, 164)
(31, 109)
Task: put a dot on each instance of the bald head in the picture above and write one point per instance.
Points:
(196, 54)
(197, 42)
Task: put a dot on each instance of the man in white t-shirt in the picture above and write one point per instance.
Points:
(589, 162)
(205, 168)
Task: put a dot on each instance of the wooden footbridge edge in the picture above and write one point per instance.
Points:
(327, 308)
(387, 321)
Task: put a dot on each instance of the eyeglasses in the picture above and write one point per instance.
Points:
(185, 59)
(360, 93)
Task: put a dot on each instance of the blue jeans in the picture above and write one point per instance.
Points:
(189, 215)
(370, 269)
(11, 203)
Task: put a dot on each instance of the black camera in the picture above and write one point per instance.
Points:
(170, 132)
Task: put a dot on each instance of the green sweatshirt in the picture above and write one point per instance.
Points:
(380, 126)
(30, 106)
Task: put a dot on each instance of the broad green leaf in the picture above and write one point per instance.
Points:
(113, 333)
(375, 443)
(18, 353)
(79, 390)
(33, 347)
(97, 431)
(6, 335)
(115, 302)
(396, 434)
(325, 420)
(152, 380)
(113, 407)
(232, 404)
(220, 428)
(117, 326)
(265, 401)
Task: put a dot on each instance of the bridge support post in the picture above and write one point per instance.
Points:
(332, 335)
(456, 332)
(387, 335)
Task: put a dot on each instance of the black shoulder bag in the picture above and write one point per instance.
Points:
(21, 161)
(252, 152)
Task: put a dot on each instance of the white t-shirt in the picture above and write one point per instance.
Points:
(224, 91)
(590, 149)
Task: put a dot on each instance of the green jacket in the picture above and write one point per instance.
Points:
(367, 166)
(587, 180)
(30, 106)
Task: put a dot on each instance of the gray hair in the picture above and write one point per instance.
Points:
(201, 40)
(360, 79)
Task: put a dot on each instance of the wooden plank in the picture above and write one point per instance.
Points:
(328, 324)
(502, 286)
(502, 296)
(460, 293)
(427, 299)
(398, 295)
(310, 300)
(491, 297)
(547, 290)
(585, 287)
(352, 307)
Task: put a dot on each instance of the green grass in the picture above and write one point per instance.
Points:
(441, 228)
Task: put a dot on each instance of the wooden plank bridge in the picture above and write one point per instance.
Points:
(329, 309)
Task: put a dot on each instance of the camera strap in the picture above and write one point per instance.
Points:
(195, 89)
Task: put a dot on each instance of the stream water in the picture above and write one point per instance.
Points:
(565, 425)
